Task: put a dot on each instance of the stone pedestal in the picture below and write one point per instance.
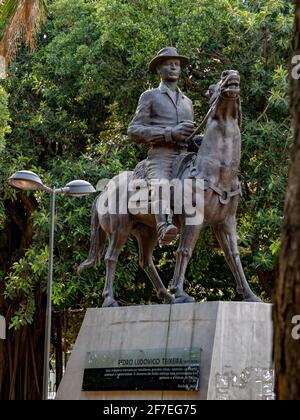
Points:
(2, 327)
(235, 339)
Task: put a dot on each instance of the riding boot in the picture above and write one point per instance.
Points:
(167, 232)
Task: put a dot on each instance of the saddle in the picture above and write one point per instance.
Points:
(184, 166)
(182, 163)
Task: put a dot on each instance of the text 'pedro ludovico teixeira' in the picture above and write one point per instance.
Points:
(152, 361)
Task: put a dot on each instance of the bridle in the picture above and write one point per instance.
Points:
(213, 105)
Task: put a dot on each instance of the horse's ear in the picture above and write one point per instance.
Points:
(211, 90)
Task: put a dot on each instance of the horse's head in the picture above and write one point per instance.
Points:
(227, 88)
(226, 91)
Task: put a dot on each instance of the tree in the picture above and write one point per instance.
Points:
(4, 117)
(19, 21)
(287, 291)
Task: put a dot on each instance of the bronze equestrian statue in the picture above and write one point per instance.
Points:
(216, 164)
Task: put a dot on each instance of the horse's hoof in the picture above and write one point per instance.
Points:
(169, 299)
(184, 298)
(109, 303)
(253, 299)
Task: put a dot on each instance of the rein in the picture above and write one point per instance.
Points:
(211, 109)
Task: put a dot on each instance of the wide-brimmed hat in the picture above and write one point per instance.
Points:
(168, 52)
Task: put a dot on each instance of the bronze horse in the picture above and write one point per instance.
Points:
(216, 163)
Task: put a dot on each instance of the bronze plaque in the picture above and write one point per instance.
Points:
(150, 369)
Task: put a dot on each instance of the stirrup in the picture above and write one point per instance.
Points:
(167, 234)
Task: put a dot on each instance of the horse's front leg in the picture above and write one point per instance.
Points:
(188, 239)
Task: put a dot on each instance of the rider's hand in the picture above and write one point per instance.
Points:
(183, 130)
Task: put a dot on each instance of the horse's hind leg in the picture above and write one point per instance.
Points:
(147, 239)
(227, 238)
(116, 242)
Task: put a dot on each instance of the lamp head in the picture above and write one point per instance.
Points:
(26, 180)
(79, 188)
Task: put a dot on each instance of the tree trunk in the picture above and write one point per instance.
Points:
(21, 361)
(21, 353)
(58, 348)
(287, 290)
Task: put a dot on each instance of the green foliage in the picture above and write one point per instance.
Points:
(70, 103)
(4, 117)
(20, 284)
(4, 129)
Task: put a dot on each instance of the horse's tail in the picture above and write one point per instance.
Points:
(97, 242)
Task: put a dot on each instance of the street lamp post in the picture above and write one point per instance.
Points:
(27, 180)
(47, 340)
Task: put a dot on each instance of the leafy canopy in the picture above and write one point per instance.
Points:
(70, 102)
